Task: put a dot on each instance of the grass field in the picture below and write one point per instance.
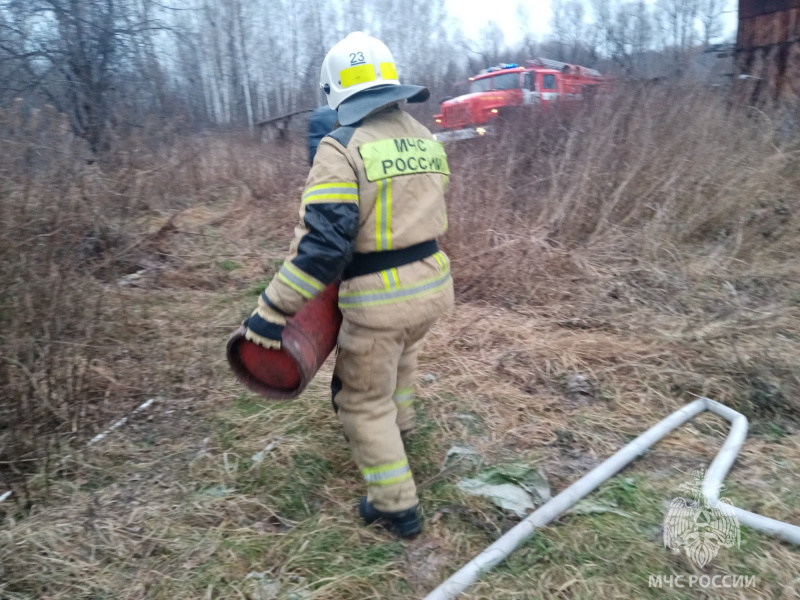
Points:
(623, 270)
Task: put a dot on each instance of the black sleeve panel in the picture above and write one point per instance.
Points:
(327, 248)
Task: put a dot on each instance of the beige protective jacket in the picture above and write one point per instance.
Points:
(376, 186)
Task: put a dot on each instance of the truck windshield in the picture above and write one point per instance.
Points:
(480, 85)
(507, 81)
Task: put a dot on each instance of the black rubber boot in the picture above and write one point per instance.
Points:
(404, 523)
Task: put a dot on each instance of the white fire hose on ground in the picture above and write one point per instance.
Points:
(502, 548)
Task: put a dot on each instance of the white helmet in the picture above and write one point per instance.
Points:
(357, 63)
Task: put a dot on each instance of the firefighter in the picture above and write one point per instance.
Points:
(371, 211)
(321, 123)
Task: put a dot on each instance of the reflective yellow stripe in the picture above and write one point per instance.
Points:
(378, 214)
(403, 397)
(384, 468)
(402, 293)
(418, 284)
(390, 282)
(329, 197)
(296, 287)
(388, 217)
(383, 215)
(387, 474)
(327, 186)
(315, 283)
(325, 192)
(393, 480)
(358, 74)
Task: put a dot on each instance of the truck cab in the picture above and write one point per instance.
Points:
(542, 83)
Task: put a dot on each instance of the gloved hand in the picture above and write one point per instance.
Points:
(265, 326)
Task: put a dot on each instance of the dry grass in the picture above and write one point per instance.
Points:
(666, 207)
(645, 247)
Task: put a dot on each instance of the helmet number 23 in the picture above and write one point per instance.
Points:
(356, 58)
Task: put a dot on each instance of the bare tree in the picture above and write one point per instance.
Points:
(240, 41)
(76, 53)
(710, 14)
(677, 22)
(492, 40)
(220, 62)
(574, 37)
(524, 19)
(624, 33)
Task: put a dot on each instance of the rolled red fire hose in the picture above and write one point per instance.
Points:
(308, 339)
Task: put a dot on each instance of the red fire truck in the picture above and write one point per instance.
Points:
(542, 83)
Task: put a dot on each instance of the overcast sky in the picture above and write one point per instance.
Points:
(474, 14)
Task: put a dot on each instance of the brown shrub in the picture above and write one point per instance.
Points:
(70, 351)
(646, 173)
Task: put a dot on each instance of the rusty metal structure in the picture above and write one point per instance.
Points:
(768, 48)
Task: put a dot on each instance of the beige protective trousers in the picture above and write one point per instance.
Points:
(373, 394)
